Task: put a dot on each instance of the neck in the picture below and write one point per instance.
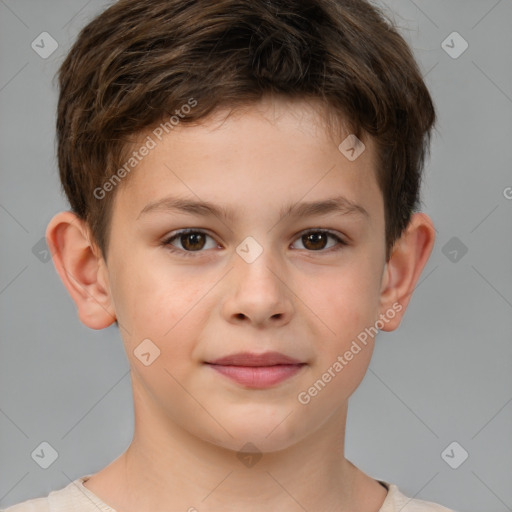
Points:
(166, 467)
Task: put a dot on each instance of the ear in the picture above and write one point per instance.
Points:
(82, 269)
(409, 256)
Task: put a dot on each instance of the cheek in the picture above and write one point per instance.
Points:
(154, 301)
(157, 308)
(344, 300)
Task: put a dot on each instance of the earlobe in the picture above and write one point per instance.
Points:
(82, 269)
(409, 256)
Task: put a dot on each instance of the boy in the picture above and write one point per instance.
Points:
(242, 176)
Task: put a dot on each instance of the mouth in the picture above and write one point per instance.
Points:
(257, 371)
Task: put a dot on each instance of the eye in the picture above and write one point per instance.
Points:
(191, 240)
(315, 240)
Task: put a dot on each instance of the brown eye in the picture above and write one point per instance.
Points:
(317, 240)
(189, 240)
(192, 241)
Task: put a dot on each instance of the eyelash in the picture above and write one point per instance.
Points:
(167, 242)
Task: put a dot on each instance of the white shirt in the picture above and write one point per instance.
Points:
(75, 497)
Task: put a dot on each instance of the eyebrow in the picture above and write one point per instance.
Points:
(338, 204)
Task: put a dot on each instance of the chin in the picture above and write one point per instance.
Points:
(252, 442)
(263, 434)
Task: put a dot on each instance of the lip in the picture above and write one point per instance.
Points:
(257, 371)
(253, 359)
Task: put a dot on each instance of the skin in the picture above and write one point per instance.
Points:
(190, 421)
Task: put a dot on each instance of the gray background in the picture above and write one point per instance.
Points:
(444, 376)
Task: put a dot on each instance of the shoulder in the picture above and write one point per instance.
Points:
(397, 501)
(34, 505)
(72, 498)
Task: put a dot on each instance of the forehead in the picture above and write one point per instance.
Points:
(274, 152)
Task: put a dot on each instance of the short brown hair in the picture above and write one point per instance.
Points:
(138, 61)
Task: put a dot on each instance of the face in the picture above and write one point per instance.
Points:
(244, 273)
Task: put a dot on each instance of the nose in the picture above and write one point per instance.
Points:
(258, 293)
